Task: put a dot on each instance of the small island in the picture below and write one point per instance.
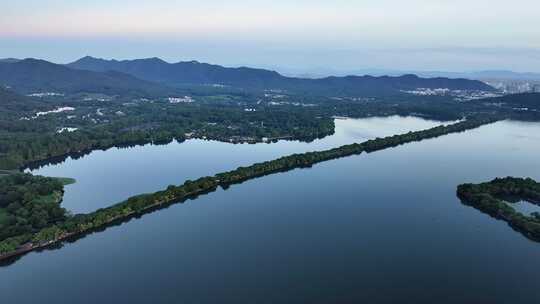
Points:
(496, 197)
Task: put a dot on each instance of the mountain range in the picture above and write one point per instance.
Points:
(32, 75)
(9, 60)
(156, 77)
(477, 75)
(196, 73)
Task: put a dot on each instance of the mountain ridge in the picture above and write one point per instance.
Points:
(196, 73)
(9, 60)
(35, 75)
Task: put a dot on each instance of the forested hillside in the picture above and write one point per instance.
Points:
(32, 75)
(196, 73)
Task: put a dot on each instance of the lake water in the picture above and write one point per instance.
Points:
(108, 177)
(525, 207)
(384, 227)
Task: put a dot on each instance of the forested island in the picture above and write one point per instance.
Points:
(496, 197)
(64, 225)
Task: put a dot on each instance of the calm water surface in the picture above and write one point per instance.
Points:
(108, 177)
(525, 207)
(384, 227)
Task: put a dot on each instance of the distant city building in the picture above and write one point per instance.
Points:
(185, 99)
(45, 94)
(513, 86)
(458, 95)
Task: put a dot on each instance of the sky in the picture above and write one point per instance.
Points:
(439, 35)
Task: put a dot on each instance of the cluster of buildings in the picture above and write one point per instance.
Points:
(458, 95)
(429, 92)
(66, 129)
(45, 94)
(515, 86)
(185, 99)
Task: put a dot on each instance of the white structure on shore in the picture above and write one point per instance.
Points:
(185, 99)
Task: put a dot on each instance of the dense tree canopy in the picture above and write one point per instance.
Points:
(29, 203)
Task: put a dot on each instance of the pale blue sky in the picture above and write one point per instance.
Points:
(454, 35)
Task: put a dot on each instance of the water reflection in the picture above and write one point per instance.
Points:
(524, 207)
(107, 177)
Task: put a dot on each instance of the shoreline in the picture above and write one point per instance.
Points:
(37, 164)
(29, 247)
(233, 139)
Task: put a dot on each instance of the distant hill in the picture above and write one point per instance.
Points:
(478, 75)
(485, 75)
(191, 72)
(196, 73)
(11, 102)
(9, 60)
(32, 75)
(509, 75)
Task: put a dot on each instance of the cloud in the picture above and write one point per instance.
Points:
(388, 22)
(294, 27)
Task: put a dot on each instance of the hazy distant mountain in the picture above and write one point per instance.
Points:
(505, 75)
(32, 75)
(195, 73)
(191, 72)
(9, 60)
(484, 75)
(477, 75)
